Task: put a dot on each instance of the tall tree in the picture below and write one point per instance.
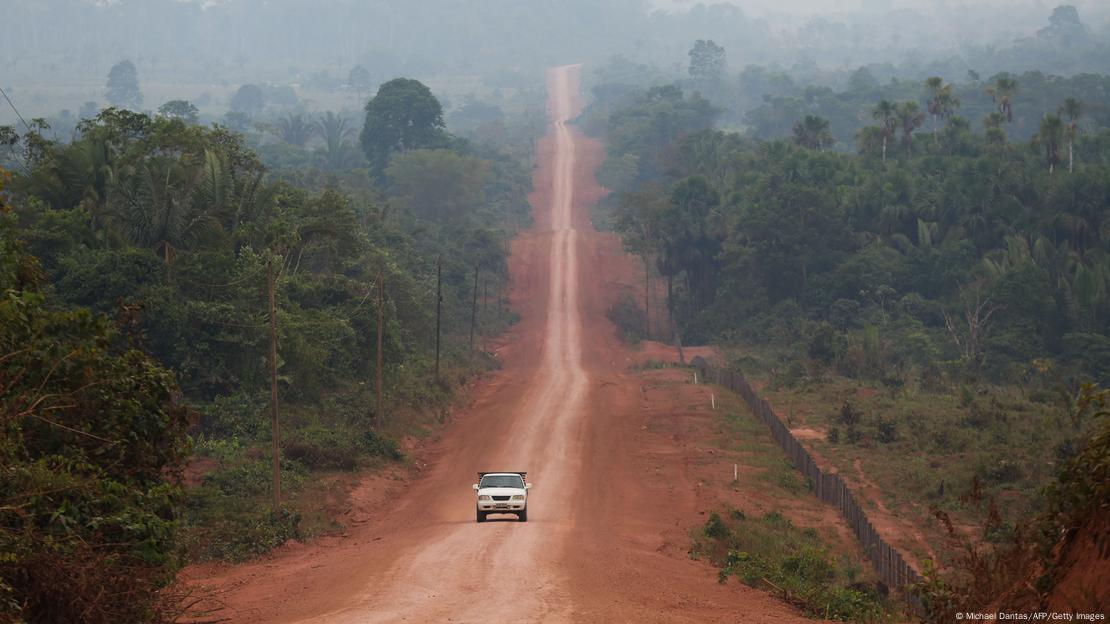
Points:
(707, 61)
(1050, 135)
(179, 109)
(1073, 110)
(402, 116)
(336, 134)
(294, 129)
(122, 89)
(813, 133)
(911, 118)
(886, 113)
(360, 80)
(1002, 93)
(248, 100)
(942, 102)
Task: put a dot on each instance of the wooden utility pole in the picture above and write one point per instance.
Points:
(439, 304)
(381, 322)
(647, 298)
(275, 440)
(474, 307)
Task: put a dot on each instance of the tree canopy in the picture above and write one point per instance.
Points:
(122, 89)
(403, 115)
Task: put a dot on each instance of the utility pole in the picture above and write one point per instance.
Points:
(439, 304)
(647, 298)
(275, 440)
(381, 322)
(474, 307)
(501, 297)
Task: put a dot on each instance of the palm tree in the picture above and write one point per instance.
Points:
(936, 87)
(155, 207)
(886, 113)
(910, 116)
(337, 135)
(1002, 93)
(813, 133)
(1051, 135)
(86, 170)
(294, 130)
(1073, 110)
(994, 132)
(228, 198)
(942, 102)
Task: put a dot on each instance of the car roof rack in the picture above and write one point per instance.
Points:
(495, 472)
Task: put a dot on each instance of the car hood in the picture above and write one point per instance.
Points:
(501, 491)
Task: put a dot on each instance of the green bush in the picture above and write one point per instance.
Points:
(628, 317)
(239, 415)
(246, 533)
(771, 553)
(317, 457)
(715, 527)
(377, 445)
(92, 431)
(886, 430)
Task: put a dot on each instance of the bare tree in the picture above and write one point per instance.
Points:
(977, 314)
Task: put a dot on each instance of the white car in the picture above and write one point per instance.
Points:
(502, 492)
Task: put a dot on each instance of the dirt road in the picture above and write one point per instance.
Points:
(604, 540)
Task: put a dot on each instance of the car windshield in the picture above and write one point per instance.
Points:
(505, 481)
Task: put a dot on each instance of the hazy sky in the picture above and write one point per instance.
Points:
(804, 7)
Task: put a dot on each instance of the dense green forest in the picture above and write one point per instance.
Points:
(932, 299)
(137, 258)
(931, 238)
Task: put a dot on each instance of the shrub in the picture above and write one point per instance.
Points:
(317, 457)
(629, 319)
(853, 435)
(998, 470)
(91, 434)
(789, 377)
(826, 344)
(849, 415)
(715, 527)
(887, 430)
(236, 415)
(377, 445)
(791, 560)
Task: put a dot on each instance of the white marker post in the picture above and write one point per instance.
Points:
(735, 475)
(713, 401)
(695, 377)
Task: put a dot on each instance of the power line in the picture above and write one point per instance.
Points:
(17, 114)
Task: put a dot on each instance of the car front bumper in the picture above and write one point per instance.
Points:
(498, 507)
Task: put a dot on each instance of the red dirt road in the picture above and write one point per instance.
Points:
(603, 540)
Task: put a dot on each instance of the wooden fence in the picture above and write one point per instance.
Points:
(829, 487)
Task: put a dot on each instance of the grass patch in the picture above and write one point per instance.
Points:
(772, 554)
(925, 447)
(228, 515)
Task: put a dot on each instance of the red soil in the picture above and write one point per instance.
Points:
(606, 538)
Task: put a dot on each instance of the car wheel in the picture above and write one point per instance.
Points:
(481, 516)
(523, 516)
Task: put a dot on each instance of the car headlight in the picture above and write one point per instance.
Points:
(484, 497)
(518, 497)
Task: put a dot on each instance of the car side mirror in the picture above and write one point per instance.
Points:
(475, 486)
(527, 486)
